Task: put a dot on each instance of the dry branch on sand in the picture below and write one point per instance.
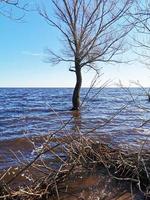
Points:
(76, 155)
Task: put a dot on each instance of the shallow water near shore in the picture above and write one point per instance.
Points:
(113, 116)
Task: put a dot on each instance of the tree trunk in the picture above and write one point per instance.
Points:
(76, 92)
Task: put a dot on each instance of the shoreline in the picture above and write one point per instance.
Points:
(85, 157)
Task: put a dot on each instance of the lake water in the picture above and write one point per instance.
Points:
(115, 115)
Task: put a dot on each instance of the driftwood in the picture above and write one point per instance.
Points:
(76, 156)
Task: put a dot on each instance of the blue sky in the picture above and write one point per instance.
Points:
(22, 59)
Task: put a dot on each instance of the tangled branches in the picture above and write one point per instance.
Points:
(73, 156)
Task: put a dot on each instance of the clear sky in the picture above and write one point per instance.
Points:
(22, 59)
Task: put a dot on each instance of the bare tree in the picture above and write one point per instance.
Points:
(142, 41)
(93, 31)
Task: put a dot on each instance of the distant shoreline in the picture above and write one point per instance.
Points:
(69, 87)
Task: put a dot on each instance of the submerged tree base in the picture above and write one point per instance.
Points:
(85, 170)
(75, 109)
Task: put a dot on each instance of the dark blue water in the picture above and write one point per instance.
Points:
(119, 116)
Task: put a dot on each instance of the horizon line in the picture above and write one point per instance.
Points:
(62, 87)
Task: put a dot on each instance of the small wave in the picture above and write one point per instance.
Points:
(30, 111)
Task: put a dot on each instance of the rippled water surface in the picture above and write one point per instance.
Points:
(119, 116)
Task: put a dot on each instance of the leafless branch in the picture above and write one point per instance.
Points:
(93, 30)
(7, 9)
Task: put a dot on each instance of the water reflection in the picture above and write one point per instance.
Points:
(30, 113)
(77, 120)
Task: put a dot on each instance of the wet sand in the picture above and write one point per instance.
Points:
(99, 187)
